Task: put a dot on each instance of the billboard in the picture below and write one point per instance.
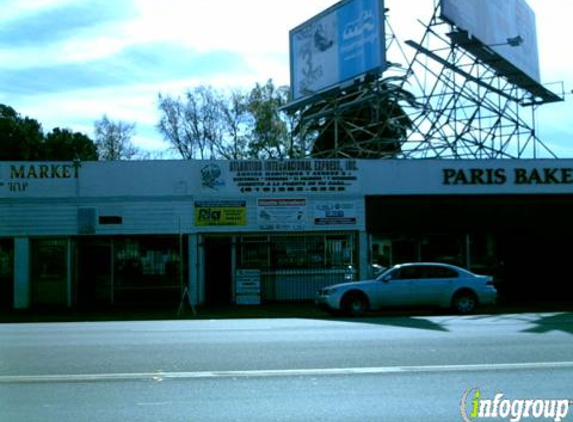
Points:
(493, 23)
(340, 44)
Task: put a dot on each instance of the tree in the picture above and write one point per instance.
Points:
(269, 135)
(235, 123)
(21, 138)
(205, 124)
(64, 145)
(113, 139)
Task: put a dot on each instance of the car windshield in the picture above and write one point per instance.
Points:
(385, 272)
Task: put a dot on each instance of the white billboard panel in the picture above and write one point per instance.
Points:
(342, 43)
(493, 23)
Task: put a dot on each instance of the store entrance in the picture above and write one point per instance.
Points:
(94, 285)
(6, 273)
(50, 272)
(218, 270)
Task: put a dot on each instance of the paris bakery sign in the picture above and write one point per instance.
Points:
(503, 176)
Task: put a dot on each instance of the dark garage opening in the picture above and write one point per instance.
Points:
(531, 235)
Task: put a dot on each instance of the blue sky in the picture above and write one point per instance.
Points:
(68, 62)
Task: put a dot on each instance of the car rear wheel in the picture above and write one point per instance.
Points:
(464, 302)
(354, 304)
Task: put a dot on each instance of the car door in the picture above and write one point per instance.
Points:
(396, 288)
(432, 284)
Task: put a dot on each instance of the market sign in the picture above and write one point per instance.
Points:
(20, 177)
(220, 213)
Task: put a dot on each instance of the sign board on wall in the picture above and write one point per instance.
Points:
(282, 214)
(220, 213)
(291, 176)
(493, 23)
(31, 178)
(342, 43)
(334, 213)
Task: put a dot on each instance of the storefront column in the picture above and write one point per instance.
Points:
(194, 270)
(363, 256)
(70, 274)
(468, 251)
(21, 273)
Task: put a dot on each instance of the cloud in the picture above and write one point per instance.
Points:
(138, 64)
(67, 62)
(53, 24)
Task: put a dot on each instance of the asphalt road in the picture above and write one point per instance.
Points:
(372, 369)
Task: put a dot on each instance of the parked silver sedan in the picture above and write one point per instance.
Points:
(412, 284)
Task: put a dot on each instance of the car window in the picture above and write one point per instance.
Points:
(410, 273)
(439, 272)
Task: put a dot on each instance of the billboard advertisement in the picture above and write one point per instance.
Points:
(493, 23)
(342, 43)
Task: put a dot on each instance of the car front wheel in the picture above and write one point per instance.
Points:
(464, 302)
(354, 304)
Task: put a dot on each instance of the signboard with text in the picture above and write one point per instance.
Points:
(248, 290)
(342, 43)
(292, 176)
(282, 214)
(220, 213)
(335, 213)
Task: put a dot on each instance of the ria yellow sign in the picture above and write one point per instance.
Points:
(220, 213)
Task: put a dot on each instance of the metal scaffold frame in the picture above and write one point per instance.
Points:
(448, 102)
(469, 109)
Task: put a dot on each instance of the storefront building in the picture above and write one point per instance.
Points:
(96, 234)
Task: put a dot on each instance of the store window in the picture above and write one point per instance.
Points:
(286, 252)
(147, 267)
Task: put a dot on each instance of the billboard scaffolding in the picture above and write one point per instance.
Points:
(478, 100)
(458, 97)
(345, 108)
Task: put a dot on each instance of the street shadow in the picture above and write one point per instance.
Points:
(402, 321)
(556, 322)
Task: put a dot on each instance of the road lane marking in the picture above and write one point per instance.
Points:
(151, 376)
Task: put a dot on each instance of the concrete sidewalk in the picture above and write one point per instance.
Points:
(268, 310)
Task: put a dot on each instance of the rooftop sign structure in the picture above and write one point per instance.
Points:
(503, 35)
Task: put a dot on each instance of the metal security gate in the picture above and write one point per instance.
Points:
(294, 266)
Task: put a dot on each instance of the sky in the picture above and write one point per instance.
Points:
(66, 63)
